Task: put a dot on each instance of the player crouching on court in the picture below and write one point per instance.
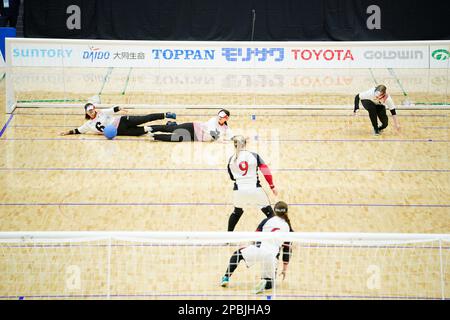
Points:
(375, 101)
(215, 129)
(265, 252)
(243, 170)
(126, 125)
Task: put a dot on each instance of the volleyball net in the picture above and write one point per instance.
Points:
(190, 265)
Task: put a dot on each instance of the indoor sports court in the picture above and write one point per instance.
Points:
(86, 217)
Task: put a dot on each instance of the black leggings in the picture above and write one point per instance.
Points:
(128, 125)
(376, 111)
(234, 262)
(179, 133)
(237, 213)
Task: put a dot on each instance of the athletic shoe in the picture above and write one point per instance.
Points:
(171, 123)
(376, 132)
(261, 286)
(380, 129)
(225, 281)
(171, 115)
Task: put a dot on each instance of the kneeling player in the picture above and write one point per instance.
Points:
(265, 252)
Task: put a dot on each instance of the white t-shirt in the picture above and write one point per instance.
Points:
(370, 95)
(203, 130)
(101, 120)
(274, 224)
(244, 169)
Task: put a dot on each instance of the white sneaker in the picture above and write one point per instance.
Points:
(261, 286)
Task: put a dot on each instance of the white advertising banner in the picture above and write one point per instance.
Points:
(163, 54)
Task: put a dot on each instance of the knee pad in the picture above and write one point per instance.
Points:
(268, 283)
(238, 211)
(268, 211)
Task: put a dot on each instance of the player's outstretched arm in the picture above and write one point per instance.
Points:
(265, 170)
(396, 123)
(74, 131)
(356, 104)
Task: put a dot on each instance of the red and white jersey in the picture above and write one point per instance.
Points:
(243, 170)
(370, 95)
(212, 130)
(274, 224)
(101, 120)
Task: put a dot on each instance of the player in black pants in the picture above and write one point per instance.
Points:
(375, 100)
(215, 129)
(180, 132)
(97, 120)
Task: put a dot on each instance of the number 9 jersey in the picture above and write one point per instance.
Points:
(243, 170)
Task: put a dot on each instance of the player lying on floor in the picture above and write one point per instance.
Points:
(215, 129)
(97, 120)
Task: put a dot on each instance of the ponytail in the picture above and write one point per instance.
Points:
(286, 218)
(281, 210)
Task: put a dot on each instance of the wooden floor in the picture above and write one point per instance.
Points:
(335, 175)
(328, 166)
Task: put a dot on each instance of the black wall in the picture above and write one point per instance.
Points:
(289, 20)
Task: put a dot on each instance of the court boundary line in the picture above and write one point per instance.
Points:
(223, 169)
(262, 296)
(6, 125)
(138, 139)
(212, 204)
(246, 115)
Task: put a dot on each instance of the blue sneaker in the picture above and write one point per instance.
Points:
(171, 123)
(225, 281)
(171, 115)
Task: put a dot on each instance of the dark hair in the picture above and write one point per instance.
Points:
(226, 112)
(281, 210)
(86, 116)
(381, 88)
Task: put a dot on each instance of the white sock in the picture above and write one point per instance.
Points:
(148, 129)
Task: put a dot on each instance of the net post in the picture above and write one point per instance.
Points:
(442, 271)
(108, 279)
(10, 96)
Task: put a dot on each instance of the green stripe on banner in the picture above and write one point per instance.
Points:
(434, 103)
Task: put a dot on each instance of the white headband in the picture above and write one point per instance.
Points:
(90, 107)
(222, 114)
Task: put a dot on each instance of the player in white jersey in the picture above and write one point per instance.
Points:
(215, 129)
(243, 170)
(375, 100)
(265, 252)
(97, 120)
